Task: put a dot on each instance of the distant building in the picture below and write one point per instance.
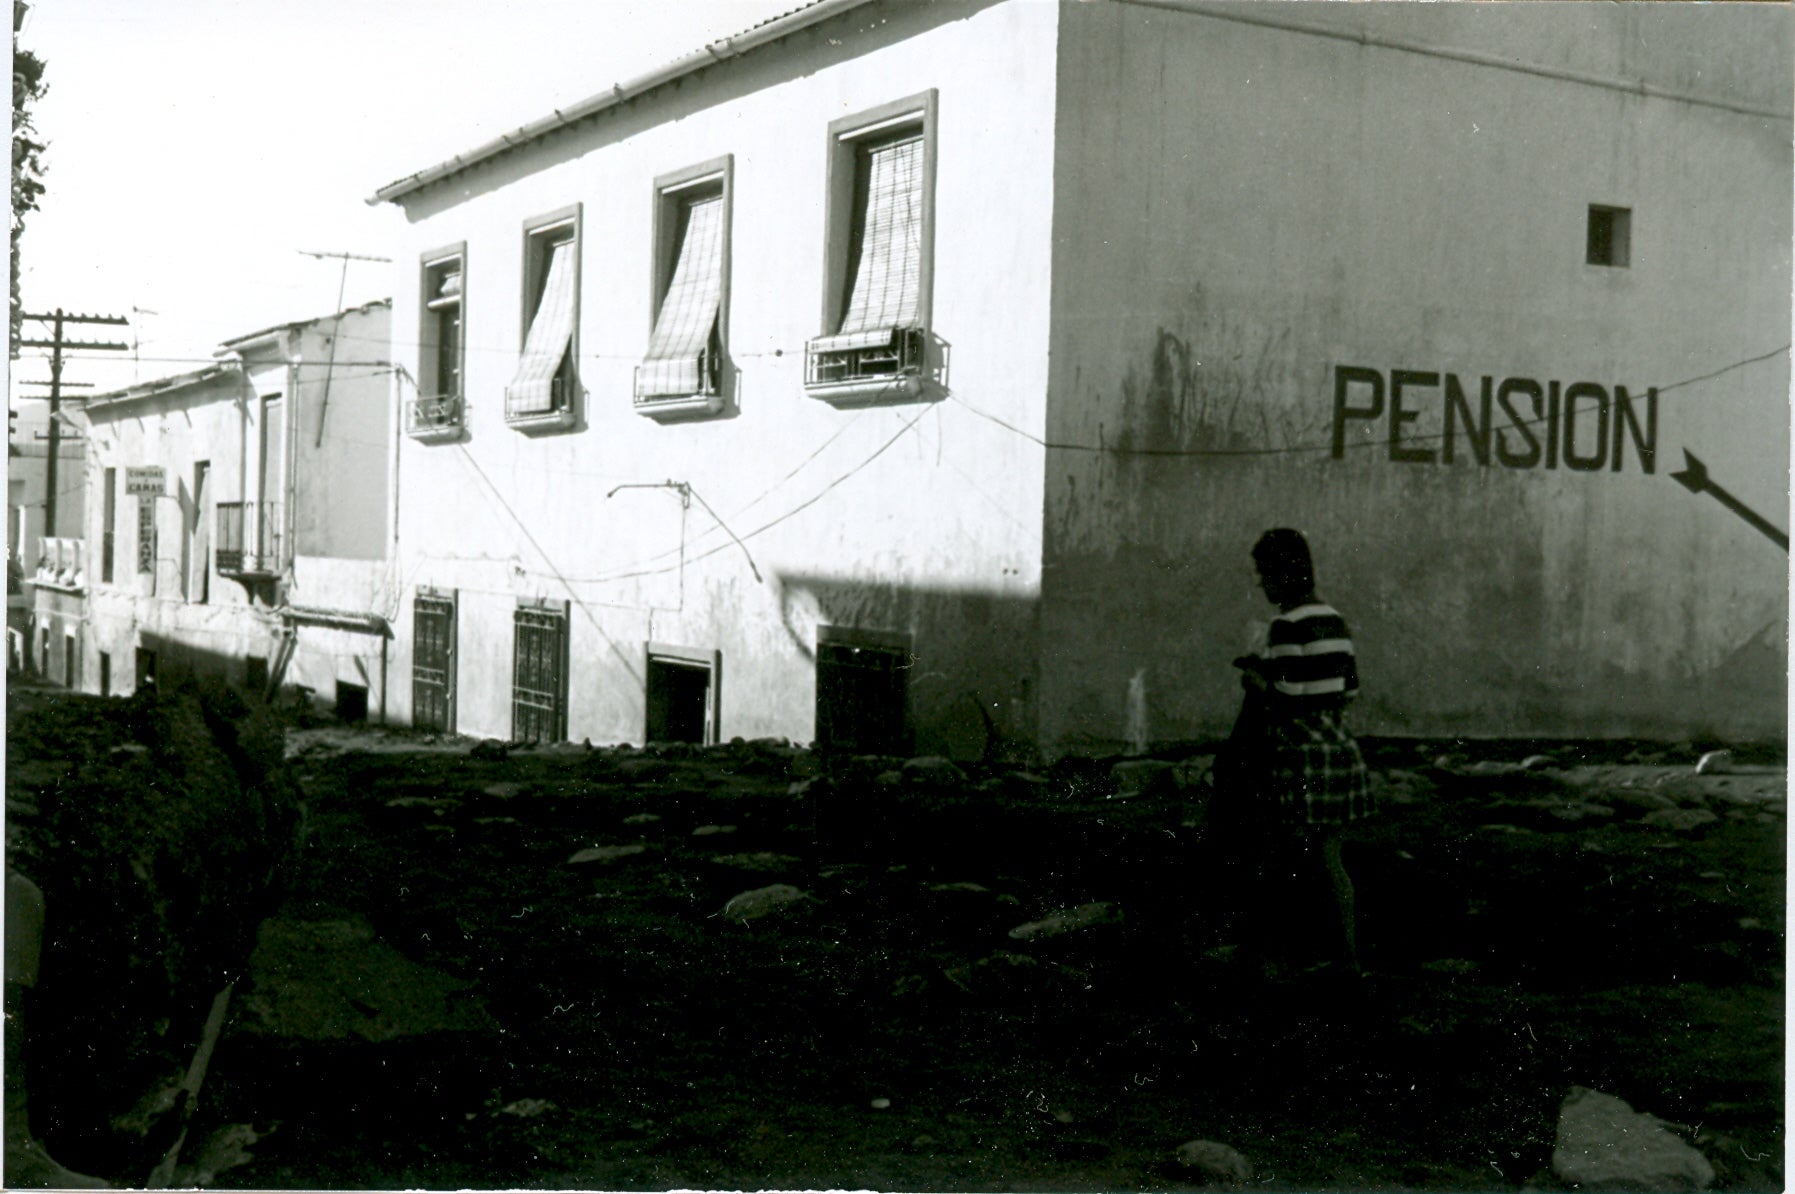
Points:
(237, 522)
(27, 481)
(917, 376)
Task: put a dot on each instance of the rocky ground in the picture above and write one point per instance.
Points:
(735, 968)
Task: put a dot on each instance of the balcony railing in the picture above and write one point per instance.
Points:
(866, 368)
(60, 565)
(248, 539)
(434, 418)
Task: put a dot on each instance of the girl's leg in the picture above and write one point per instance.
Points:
(1340, 888)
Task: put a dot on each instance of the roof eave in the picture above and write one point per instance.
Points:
(713, 52)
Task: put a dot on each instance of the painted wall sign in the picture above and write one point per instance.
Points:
(1516, 422)
(148, 479)
(1694, 477)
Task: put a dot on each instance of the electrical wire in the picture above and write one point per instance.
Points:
(1298, 449)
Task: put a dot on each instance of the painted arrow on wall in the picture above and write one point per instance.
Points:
(1694, 477)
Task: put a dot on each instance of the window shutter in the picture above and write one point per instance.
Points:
(532, 388)
(887, 285)
(689, 312)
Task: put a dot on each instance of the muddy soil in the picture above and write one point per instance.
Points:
(616, 969)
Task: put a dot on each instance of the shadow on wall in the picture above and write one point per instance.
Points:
(964, 664)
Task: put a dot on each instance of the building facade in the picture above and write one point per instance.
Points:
(33, 557)
(238, 520)
(917, 377)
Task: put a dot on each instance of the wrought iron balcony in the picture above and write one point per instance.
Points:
(60, 565)
(435, 418)
(248, 539)
(866, 368)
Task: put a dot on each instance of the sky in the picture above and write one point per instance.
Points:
(197, 148)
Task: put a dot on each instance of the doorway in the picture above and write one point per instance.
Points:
(681, 696)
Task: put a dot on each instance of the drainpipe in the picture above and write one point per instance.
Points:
(290, 483)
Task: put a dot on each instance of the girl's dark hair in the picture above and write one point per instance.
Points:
(1283, 558)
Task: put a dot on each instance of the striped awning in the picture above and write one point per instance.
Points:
(887, 272)
(532, 388)
(688, 314)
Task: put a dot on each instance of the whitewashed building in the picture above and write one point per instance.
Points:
(238, 520)
(917, 376)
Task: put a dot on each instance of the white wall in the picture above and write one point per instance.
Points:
(1240, 210)
(916, 518)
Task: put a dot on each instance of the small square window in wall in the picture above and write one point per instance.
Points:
(879, 257)
(1610, 236)
(544, 392)
(682, 373)
(438, 412)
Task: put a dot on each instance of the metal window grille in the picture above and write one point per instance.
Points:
(533, 390)
(433, 663)
(687, 323)
(539, 676)
(860, 698)
(441, 413)
(248, 537)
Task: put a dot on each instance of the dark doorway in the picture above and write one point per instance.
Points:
(860, 698)
(105, 673)
(679, 701)
(352, 701)
(71, 663)
(146, 668)
(255, 674)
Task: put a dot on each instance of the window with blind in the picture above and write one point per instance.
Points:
(876, 309)
(542, 390)
(682, 371)
(436, 410)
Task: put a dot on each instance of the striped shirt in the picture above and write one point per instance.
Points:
(1309, 657)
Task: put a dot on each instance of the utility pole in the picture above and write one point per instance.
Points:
(330, 365)
(56, 344)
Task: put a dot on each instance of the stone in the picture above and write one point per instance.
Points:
(1140, 777)
(1638, 800)
(1576, 812)
(881, 1104)
(1679, 820)
(1215, 1162)
(641, 819)
(527, 1108)
(607, 854)
(1003, 974)
(1603, 1144)
(888, 779)
(490, 750)
(933, 769)
(644, 770)
(963, 885)
(1715, 762)
(502, 791)
(762, 901)
(712, 830)
(435, 803)
(764, 860)
(1068, 920)
(1535, 762)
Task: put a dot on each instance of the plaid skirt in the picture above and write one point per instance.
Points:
(1307, 767)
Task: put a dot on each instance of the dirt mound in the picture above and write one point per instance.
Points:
(156, 828)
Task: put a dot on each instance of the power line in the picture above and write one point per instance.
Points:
(1297, 449)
